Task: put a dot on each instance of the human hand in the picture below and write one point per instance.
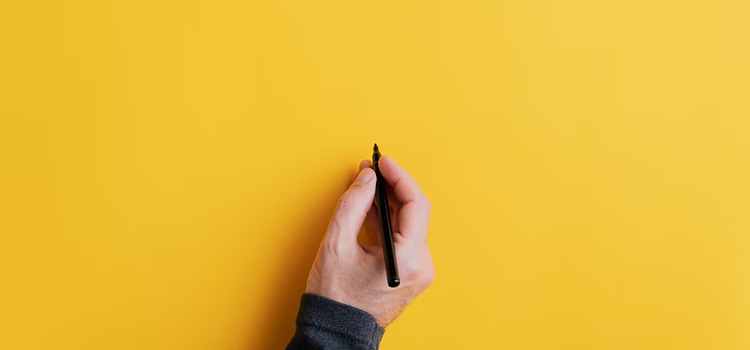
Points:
(354, 274)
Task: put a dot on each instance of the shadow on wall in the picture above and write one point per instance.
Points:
(292, 271)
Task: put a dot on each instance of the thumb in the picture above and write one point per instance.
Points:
(352, 209)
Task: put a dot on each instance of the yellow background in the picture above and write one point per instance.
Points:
(169, 167)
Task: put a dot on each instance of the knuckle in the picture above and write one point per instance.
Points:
(426, 203)
(412, 272)
(429, 277)
(420, 272)
(346, 201)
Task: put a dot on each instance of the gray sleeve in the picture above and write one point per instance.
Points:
(324, 324)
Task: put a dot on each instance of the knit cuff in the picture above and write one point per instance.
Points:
(343, 320)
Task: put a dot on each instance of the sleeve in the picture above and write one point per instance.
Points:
(324, 324)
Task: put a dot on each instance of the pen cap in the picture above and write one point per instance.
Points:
(375, 154)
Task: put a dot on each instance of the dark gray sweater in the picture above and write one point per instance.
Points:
(324, 324)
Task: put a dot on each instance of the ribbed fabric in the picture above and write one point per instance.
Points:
(324, 324)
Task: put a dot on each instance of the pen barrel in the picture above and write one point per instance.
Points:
(386, 227)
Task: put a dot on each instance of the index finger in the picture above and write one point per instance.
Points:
(414, 216)
(406, 188)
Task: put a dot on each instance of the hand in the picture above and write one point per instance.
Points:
(354, 274)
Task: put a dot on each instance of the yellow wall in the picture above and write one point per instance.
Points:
(168, 168)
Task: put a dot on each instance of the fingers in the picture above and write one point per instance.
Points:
(404, 186)
(364, 164)
(414, 216)
(352, 209)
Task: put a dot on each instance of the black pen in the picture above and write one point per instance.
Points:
(386, 228)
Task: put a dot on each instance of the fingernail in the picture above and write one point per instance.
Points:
(364, 176)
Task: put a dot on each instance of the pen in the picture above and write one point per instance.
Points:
(386, 229)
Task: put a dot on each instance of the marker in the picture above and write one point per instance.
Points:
(386, 229)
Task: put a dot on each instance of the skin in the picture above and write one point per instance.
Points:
(354, 274)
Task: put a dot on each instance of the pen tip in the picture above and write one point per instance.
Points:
(375, 148)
